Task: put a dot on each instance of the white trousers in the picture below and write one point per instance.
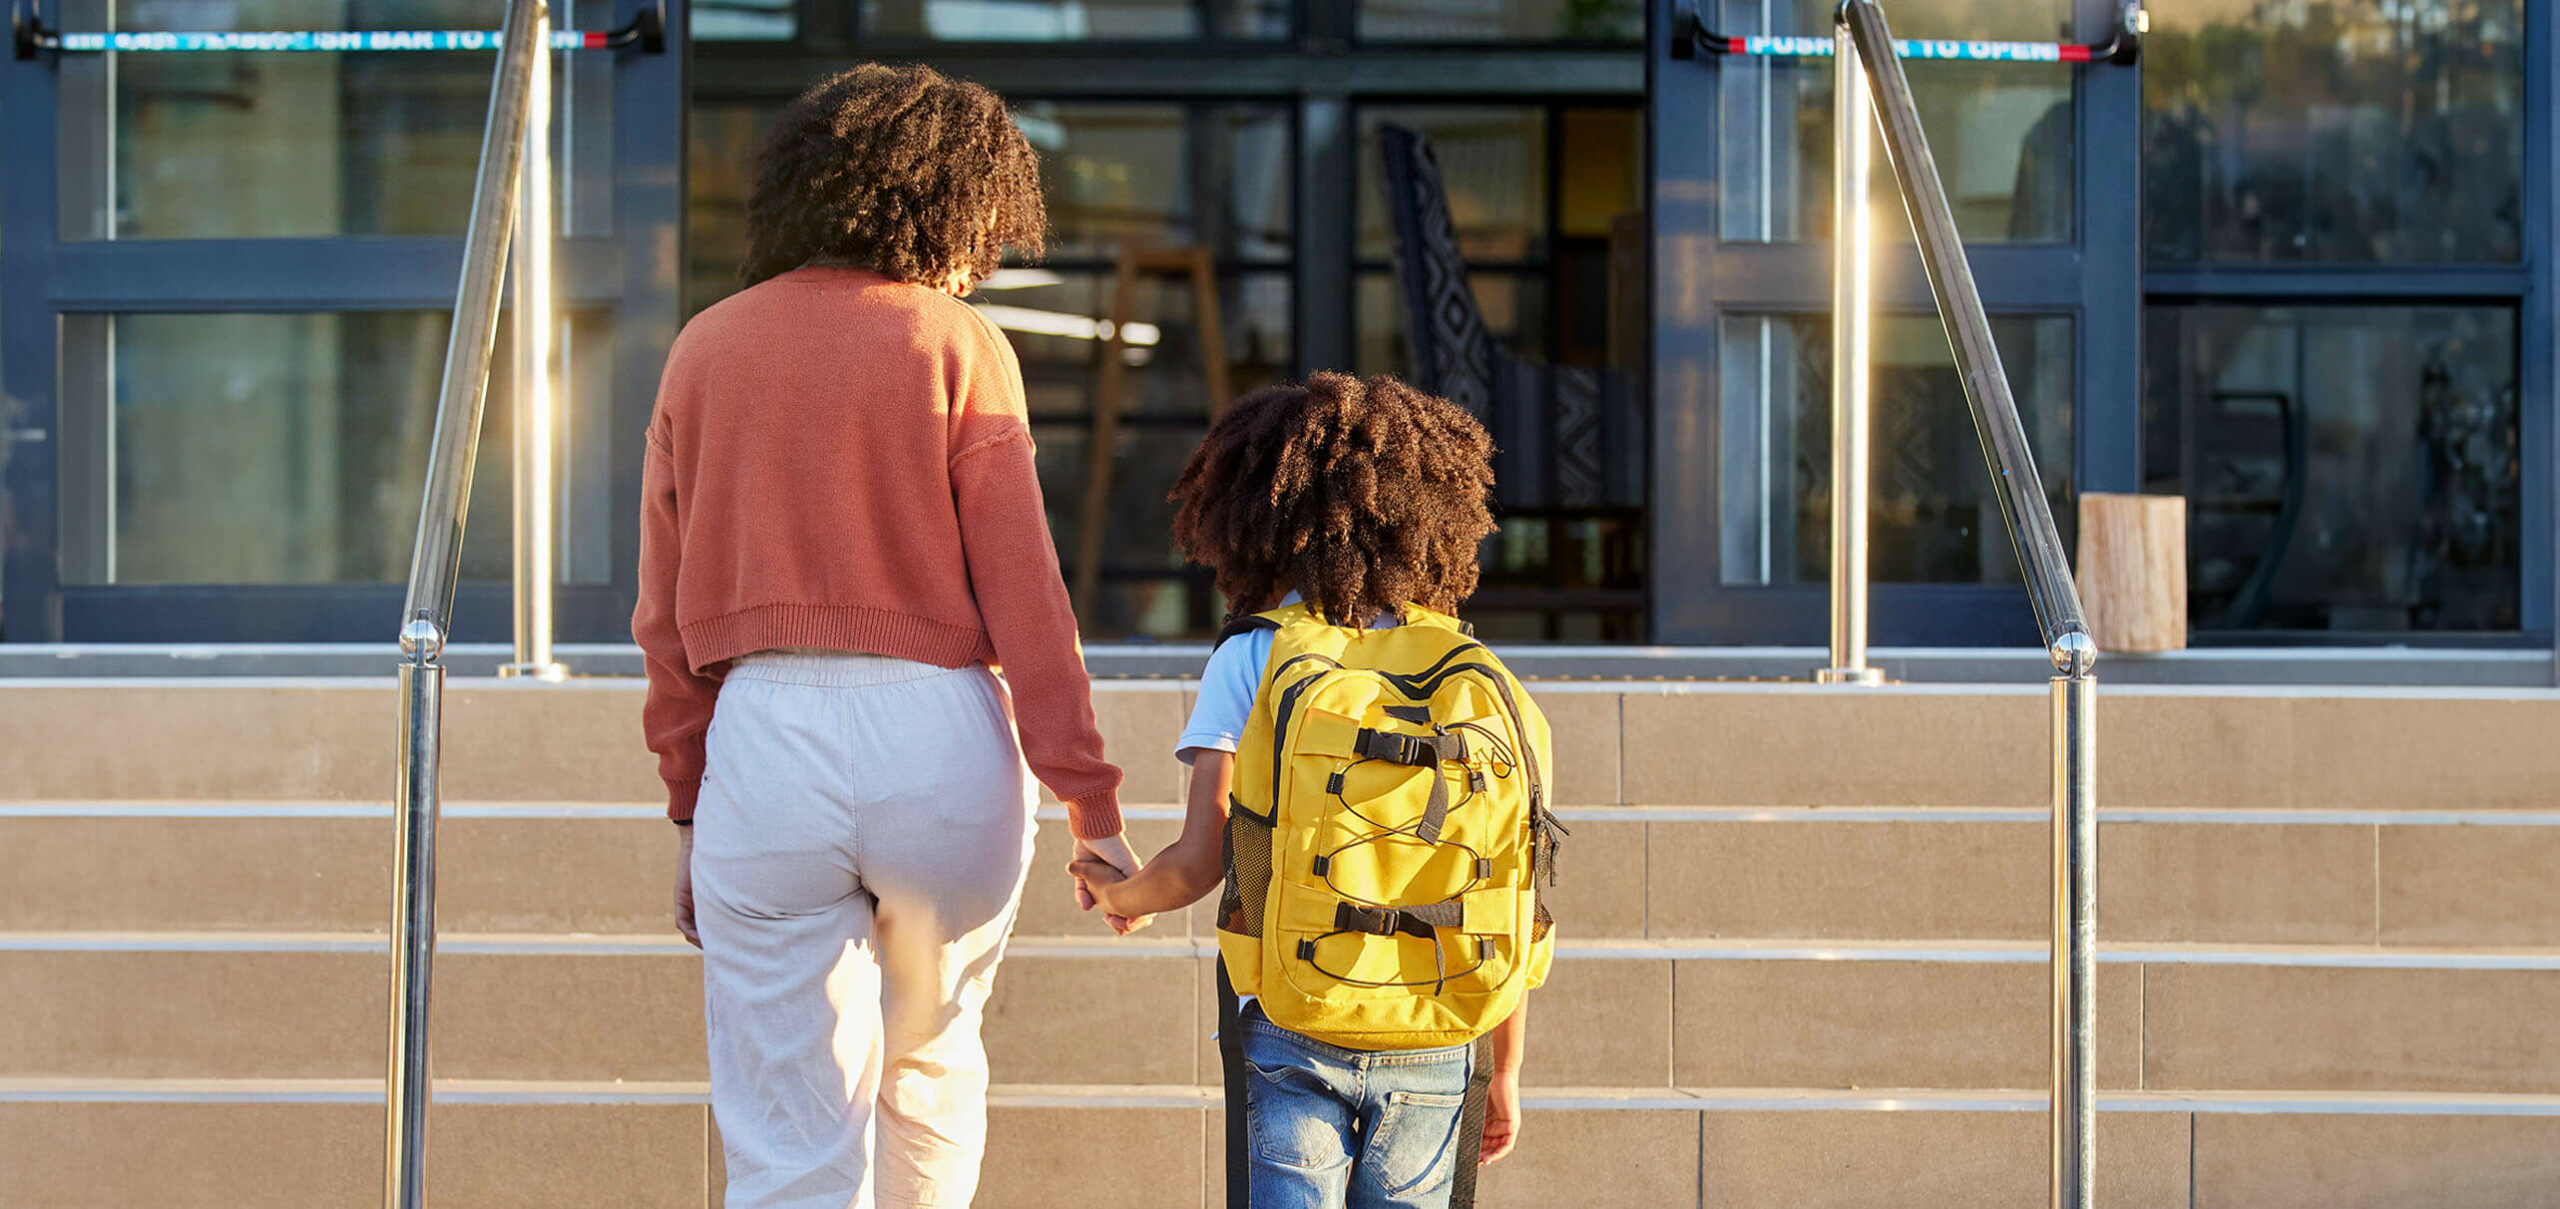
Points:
(859, 849)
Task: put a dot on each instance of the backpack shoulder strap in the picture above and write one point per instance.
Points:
(1244, 625)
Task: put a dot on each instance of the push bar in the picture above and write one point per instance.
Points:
(1690, 36)
(647, 30)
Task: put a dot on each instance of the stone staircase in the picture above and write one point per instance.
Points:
(1802, 957)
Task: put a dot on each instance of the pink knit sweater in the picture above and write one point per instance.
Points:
(841, 461)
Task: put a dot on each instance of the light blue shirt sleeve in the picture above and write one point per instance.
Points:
(1228, 686)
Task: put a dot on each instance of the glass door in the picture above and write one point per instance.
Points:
(228, 273)
(2038, 160)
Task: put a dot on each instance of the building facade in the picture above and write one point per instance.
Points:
(2294, 265)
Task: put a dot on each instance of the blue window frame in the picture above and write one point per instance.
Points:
(328, 254)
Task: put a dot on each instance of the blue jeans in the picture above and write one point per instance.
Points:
(1332, 1127)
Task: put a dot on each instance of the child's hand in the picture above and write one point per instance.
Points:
(1097, 879)
(1501, 1119)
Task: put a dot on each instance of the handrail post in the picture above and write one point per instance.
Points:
(1852, 330)
(413, 928)
(2074, 961)
(427, 615)
(536, 382)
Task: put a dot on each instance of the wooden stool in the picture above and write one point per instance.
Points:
(1104, 440)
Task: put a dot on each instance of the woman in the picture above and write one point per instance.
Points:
(842, 532)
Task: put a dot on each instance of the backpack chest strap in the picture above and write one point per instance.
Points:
(1420, 751)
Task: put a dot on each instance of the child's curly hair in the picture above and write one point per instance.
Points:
(897, 169)
(1362, 494)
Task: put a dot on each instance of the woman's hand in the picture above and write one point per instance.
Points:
(1112, 850)
(684, 887)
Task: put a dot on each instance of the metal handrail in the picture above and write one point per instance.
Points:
(427, 617)
(1865, 47)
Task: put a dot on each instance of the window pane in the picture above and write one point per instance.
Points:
(1493, 166)
(2345, 467)
(299, 462)
(1150, 175)
(1501, 20)
(1073, 20)
(1934, 518)
(2347, 131)
(239, 144)
(2002, 132)
(1514, 307)
(1135, 174)
(1053, 321)
(746, 20)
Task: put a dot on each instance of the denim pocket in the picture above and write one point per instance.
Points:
(1409, 1149)
(1289, 1113)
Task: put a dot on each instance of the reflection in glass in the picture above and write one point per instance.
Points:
(1153, 175)
(2002, 132)
(2345, 467)
(240, 144)
(1501, 20)
(1162, 175)
(299, 462)
(1073, 20)
(1148, 591)
(1493, 164)
(1935, 519)
(1514, 306)
(2344, 130)
(745, 20)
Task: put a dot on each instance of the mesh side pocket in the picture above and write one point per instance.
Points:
(1240, 907)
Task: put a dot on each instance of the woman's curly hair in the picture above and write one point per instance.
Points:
(897, 169)
(1362, 494)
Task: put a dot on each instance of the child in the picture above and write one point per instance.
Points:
(1361, 499)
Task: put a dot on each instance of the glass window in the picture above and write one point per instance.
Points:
(298, 460)
(1165, 405)
(745, 20)
(1934, 518)
(1160, 175)
(1073, 20)
(2349, 468)
(2346, 131)
(1501, 20)
(2002, 132)
(1514, 307)
(269, 144)
(1112, 174)
(1493, 166)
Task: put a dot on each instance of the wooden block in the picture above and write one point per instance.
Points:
(2133, 570)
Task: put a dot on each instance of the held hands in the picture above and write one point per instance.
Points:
(1098, 865)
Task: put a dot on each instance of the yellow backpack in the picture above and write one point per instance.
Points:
(1386, 835)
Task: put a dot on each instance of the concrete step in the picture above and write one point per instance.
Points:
(284, 1144)
(2402, 878)
(1712, 1013)
(1751, 745)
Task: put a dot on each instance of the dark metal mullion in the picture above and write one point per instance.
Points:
(652, 111)
(1238, 70)
(2538, 379)
(1753, 277)
(1328, 146)
(30, 432)
(2106, 428)
(1685, 466)
(2334, 282)
(333, 273)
